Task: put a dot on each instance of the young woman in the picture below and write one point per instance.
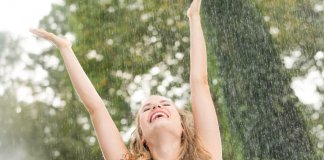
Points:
(163, 132)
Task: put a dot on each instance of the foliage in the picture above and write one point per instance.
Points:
(108, 41)
(126, 46)
(260, 105)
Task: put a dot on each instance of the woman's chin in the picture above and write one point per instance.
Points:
(164, 125)
(160, 121)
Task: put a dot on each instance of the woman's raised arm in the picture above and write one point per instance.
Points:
(109, 138)
(205, 118)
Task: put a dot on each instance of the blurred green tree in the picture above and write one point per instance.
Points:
(108, 41)
(261, 107)
(118, 40)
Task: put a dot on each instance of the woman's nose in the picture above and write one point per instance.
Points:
(156, 105)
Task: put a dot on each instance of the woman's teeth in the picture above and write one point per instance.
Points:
(158, 115)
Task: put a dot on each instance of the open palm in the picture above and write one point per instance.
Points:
(57, 41)
(194, 9)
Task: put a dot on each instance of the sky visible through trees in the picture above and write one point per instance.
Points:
(265, 64)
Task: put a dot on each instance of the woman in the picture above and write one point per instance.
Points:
(163, 132)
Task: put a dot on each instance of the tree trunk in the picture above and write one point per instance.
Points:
(260, 106)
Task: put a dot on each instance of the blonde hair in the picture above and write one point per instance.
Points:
(191, 146)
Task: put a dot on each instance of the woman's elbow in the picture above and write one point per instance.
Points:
(94, 107)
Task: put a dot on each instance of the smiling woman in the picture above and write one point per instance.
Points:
(163, 127)
(163, 132)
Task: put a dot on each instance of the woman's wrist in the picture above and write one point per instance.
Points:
(64, 48)
(194, 17)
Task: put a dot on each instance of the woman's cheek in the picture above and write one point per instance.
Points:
(143, 120)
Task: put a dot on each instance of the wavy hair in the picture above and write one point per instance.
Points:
(191, 146)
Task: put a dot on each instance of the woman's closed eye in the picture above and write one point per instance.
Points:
(146, 109)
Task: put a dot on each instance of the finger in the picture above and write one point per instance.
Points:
(196, 2)
(43, 34)
(34, 31)
(46, 34)
(38, 32)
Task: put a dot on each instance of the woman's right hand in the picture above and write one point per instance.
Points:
(194, 9)
(57, 41)
(109, 138)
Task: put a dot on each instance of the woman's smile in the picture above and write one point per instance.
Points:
(158, 113)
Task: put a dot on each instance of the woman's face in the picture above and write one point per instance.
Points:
(158, 114)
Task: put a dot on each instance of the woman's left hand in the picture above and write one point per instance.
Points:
(57, 41)
(194, 9)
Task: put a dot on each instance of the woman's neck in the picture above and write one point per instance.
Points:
(165, 147)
